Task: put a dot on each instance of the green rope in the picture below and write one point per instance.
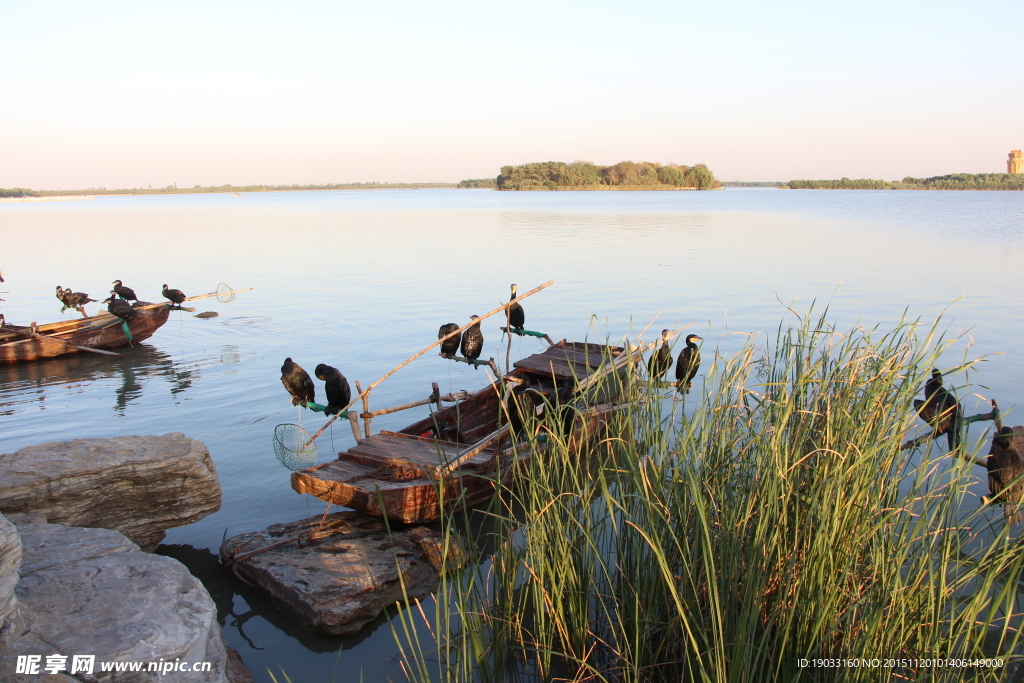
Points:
(524, 333)
(317, 408)
(127, 331)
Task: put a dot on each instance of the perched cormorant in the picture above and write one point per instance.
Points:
(126, 293)
(175, 295)
(1006, 470)
(450, 346)
(60, 297)
(297, 382)
(688, 362)
(661, 360)
(76, 299)
(338, 391)
(941, 410)
(119, 307)
(472, 340)
(516, 314)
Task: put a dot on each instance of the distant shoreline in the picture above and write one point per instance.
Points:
(23, 194)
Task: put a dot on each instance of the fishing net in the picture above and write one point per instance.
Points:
(291, 449)
(225, 295)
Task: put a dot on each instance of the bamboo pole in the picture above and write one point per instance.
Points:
(473, 450)
(414, 404)
(195, 298)
(354, 421)
(367, 418)
(417, 355)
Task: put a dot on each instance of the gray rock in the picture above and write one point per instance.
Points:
(138, 485)
(10, 560)
(342, 581)
(92, 592)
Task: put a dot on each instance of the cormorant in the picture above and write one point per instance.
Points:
(661, 360)
(297, 382)
(450, 346)
(1006, 470)
(472, 340)
(941, 410)
(76, 299)
(60, 297)
(175, 295)
(338, 391)
(119, 307)
(516, 314)
(126, 293)
(688, 363)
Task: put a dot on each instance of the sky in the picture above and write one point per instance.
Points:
(131, 94)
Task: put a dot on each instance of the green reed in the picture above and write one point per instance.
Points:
(768, 518)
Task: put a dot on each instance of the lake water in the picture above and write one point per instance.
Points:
(362, 279)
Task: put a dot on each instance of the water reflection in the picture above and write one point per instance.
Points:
(27, 383)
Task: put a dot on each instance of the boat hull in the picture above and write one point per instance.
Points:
(394, 474)
(103, 331)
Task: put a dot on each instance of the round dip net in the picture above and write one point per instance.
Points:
(293, 448)
(226, 295)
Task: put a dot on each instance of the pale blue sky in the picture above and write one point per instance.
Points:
(123, 94)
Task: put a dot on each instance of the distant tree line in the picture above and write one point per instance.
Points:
(625, 175)
(752, 183)
(479, 182)
(198, 189)
(956, 181)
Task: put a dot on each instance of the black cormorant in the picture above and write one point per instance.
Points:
(472, 340)
(297, 382)
(76, 299)
(516, 314)
(175, 295)
(60, 297)
(119, 307)
(449, 346)
(126, 293)
(1006, 470)
(688, 362)
(661, 360)
(338, 391)
(941, 410)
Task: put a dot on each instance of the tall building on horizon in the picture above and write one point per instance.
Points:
(1015, 162)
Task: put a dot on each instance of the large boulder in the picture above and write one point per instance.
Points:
(93, 592)
(138, 485)
(349, 568)
(11, 623)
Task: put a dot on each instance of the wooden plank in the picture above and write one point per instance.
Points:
(546, 366)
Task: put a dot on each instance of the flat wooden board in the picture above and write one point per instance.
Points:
(400, 449)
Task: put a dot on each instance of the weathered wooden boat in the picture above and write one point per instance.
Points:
(102, 331)
(465, 449)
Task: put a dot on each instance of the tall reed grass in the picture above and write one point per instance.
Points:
(773, 520)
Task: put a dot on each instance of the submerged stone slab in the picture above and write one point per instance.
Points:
(93, 592)
(138, 485)
(341, 581)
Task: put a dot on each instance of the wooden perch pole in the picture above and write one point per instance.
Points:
(417, 355)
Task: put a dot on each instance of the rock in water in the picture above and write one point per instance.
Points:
(91, 591)
(341, 582)
(138, 485)
(207, 314)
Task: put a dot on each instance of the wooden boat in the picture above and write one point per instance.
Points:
(399, 474)
(102, 331)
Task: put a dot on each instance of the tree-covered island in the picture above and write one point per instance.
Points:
(583, 175)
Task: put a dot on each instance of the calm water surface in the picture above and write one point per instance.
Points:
(361, 280)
